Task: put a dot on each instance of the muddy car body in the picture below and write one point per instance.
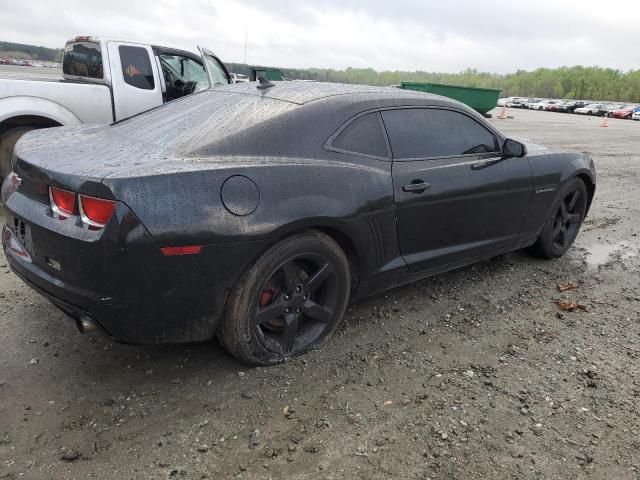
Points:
(226, 207)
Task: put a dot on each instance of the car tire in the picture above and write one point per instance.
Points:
(563, 224)
(290, 301)
(8, 141)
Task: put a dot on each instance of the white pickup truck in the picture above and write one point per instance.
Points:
(104, 80)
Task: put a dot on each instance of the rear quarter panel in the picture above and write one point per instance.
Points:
(294, 195)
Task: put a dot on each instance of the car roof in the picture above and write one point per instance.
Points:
(300, 92)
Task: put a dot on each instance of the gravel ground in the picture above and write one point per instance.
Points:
(472, 374)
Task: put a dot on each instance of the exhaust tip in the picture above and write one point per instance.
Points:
(86, 325)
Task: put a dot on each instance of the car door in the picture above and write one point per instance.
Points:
(134, 79)
(456, 197)
(218, 73)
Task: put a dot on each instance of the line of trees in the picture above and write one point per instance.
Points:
(30, 52)
(578, 82)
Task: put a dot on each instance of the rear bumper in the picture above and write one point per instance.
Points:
(80, 316)
(119, 279)
(153, 312)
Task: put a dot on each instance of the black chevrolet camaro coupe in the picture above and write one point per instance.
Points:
(258, 211)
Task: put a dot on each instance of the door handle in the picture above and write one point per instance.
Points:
(417, 186)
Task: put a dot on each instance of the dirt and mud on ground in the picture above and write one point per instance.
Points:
(472, 374)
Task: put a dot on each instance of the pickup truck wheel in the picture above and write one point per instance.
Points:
(8, 140)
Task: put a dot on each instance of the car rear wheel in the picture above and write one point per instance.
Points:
(288, 302)
(562, 227)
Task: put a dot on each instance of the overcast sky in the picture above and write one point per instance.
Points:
(434, 35)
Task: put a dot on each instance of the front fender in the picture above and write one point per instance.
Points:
(551, 171)
(17, 106)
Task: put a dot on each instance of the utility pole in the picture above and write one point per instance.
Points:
(246, 35)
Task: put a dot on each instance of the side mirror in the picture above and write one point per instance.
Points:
(512, 148)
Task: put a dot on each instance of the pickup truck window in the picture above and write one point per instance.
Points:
(82, 59)
(136, 67)
(182, 75)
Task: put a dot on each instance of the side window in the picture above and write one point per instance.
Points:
(364, 135)
(217, 70)
(136, 67)
(429, 133)
(182, 75)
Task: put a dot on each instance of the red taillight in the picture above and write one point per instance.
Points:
(63, 202)
(96, 211)
(175, 251)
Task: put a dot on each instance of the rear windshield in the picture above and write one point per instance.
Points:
(82, 59)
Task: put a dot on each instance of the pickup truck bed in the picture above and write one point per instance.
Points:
(91, 102)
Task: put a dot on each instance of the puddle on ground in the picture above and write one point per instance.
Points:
(600, 253)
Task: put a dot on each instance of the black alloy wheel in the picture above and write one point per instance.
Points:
(563, 225)
(296, 304)
(289, 302)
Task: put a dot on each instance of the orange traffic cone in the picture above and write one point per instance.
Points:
(503, 112)
(605, 121)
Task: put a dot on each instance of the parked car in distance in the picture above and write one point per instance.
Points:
(516, 102)
(185, 222)
(530, 101)
(636, 114)
(598, 109)
(552, 105)
(104, 80)
(539, 105)
(624, 112)
(610, 108)
(238, 78)
(570, 106)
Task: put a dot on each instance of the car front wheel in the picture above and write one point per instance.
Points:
(288, 302)
(561, 228)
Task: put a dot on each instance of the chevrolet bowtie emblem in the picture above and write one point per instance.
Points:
(16, 181)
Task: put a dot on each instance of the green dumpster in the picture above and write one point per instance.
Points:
(267, 72)
(480, 99)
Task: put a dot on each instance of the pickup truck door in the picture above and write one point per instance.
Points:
(218, 73)
(135, 79)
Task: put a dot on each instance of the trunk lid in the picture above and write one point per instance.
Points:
(74, 158)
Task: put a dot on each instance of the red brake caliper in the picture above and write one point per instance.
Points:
(266, 297)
